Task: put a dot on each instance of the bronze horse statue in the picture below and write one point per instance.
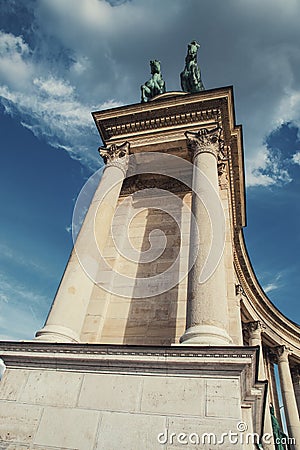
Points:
(191, 76)
(155, 85)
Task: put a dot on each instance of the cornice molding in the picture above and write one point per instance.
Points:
(159, 119)
(112, 358)
(126, 350)
(172, 111)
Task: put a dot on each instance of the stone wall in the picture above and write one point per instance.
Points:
(58, 409)
(131, 398)
(157, 319)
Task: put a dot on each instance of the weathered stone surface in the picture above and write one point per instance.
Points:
(154, 390)
(110, 392)
(67, 428)
(187, 432)
(173, 395)
(130, 432)
(8, 446)
(12, 383)
(52, 388)
(222, 398)
(18, 422)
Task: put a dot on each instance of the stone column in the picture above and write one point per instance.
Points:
(288, 396)
(207, 314)
(296, 382)
(271, 359)
(254, 330)
(67, 314)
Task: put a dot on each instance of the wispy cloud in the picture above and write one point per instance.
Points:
(270, 287)
(11, 290)
(276, 283)
(8, 254)
(20, 306)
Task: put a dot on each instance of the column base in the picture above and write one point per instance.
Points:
(56, 333)
(205, 335)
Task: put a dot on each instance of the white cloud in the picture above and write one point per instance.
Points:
(53, 87)
(275, 283)
(15, 71)
(68, 229)
(269, 168)
(270, 287)
(296, 158)
(62, 77)
(12, 46)
(52, 115)
(48, 105)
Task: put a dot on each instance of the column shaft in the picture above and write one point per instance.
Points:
(67, 314)
(288, 396)
(207, 314)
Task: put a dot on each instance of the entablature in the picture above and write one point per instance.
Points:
(161, 125)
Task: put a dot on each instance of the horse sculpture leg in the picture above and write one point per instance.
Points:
(145, 90)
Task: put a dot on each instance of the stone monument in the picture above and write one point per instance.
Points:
(155, 85)
(160, 334)
(191, 76)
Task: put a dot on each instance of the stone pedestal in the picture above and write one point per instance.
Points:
(66, 317)
(207, 315)
(100, 397)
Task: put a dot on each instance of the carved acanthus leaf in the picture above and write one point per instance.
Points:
(116, 155)
(256, 325)
(205, 141)
(282, 352)
(113, 152)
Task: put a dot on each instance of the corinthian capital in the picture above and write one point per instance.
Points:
(253, 329)
(204, 141)
(283, 353)
(116, 155)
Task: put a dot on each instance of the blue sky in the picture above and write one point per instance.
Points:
(62, 59)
